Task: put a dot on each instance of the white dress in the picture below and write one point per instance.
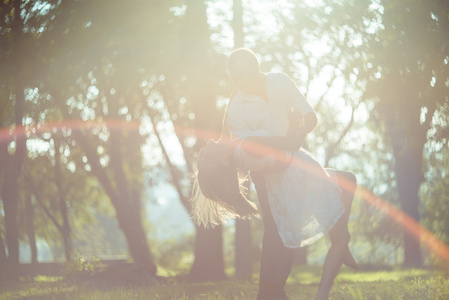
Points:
(304, 198)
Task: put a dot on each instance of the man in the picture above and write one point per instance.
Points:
(264, 104)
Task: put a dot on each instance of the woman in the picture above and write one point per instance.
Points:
(300, 201)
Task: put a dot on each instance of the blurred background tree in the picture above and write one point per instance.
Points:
(410, 57)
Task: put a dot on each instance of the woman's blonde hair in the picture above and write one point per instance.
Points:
(218, 192)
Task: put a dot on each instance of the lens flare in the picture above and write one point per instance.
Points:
(408, 223)
(428, 239)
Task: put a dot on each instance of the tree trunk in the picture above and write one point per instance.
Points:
(13, 163)
(208, 264)
(197, 66)
(125, 200)
(243, 240)
(408, 160)
(30, 230)
(3, 258)
(10, 195)
(130, 222)
(409, 181)
(65, 228)
(243, 250)
(10, 205)
(237, 24)
(128, 206)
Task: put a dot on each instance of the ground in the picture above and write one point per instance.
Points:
(302, 284)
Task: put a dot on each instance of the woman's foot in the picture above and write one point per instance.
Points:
(349, 261)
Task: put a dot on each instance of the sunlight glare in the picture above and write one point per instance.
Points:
(161, 201)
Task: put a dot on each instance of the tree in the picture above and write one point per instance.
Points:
(434, 192)
(413, 72)
(70, 60)
(243, 244)
(198, 67)
(12, 148)
(30, 229)
(50, 190)
(116, 70)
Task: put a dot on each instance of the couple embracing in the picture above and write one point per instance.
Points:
(266, 122)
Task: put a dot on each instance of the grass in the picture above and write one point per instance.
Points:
(302, 284)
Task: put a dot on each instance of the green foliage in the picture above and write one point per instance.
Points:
(174, 256)
(100, 238)
(79, 266)
(435, 194)
(81, 192)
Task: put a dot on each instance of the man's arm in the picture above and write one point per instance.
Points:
(300, 127)
(292, 141)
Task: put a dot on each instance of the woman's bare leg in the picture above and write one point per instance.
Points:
(339, 236)
(339, 251)
(348, 184)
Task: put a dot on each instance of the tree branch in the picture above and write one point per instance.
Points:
(41, 203)
(94, 162)
(167, 96)
(331, 149)
(116, 163)
(320, 100)
(174, 172)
